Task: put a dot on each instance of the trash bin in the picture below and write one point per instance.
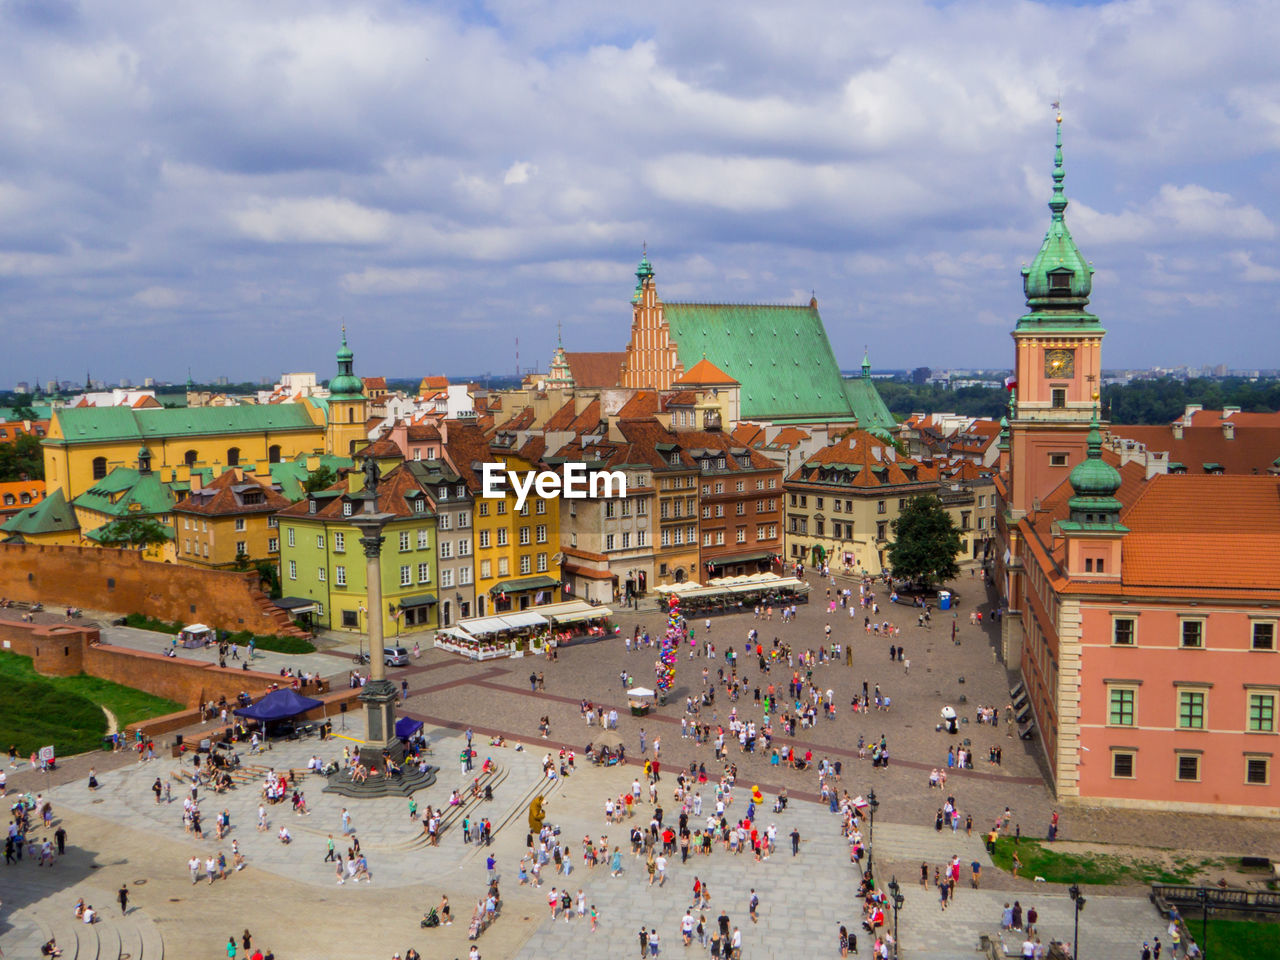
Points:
(944, 599)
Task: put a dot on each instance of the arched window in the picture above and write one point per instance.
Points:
(273, 453)
(99, 467)
(233, 456)
(189, 458)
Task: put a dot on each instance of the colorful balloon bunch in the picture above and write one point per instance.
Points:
(666, 665)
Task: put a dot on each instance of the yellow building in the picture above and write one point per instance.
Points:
(229, 523)
(84, 444)
(517, 552)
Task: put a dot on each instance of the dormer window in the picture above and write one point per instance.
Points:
(673, 458)
(346, 508)
(419, 506)
(443, 492)
(1060, 282)
(311, 506)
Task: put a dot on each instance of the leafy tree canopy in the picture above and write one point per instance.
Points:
(21, 459)
(137, 532)
(320, 479)
(926, 542)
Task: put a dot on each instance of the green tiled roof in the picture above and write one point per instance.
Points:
(868, 405)
(96, 424)
(117, 492)
(42, 411)
(50, 515)
(292, 474)
(525, 583)
(780, 355)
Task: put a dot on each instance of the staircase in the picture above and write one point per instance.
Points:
(133, 937)
(285, 626)
(471, 805)
(409, 782)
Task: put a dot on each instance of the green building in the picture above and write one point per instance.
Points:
(321, 557)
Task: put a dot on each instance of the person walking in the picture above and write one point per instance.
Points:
(753, 905)
(123, 897)
(328, 857)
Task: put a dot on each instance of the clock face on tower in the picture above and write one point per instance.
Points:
(1059, 363)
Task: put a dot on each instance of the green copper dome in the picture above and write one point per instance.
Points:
(1093, 480)
(346, 385)
(1059, 277)
(645, 269)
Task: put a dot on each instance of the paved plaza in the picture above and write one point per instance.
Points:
(288, 895)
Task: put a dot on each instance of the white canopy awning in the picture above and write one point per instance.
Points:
(518, 619)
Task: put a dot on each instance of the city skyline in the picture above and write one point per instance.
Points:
(176, 184)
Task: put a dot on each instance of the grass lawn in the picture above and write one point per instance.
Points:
(277, 644)
(1042, 859)
(65, 711)
(1239, 939)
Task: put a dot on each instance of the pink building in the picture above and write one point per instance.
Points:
(1142, 608)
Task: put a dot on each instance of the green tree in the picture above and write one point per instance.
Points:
(270, 574)
(322, 478)
(22, 459)
(925, 542)
(136, 532)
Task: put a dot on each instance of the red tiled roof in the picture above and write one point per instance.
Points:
(748, 434)
(423, 431)
(1252, 450)
(221, 499)
(596, 369)
(789, 437)
(392, 491)
(434, 383)
(681, 398)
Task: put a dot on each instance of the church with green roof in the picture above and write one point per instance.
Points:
(779, 354)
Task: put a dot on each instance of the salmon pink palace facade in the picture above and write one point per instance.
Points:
(1142, 604)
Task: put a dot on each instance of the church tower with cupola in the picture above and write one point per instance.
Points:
(1058, 361)
(348, 407)
(652, 362)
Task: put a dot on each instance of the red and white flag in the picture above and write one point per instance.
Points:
(1010, 382)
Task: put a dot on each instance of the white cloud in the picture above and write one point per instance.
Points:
(381, 280)
(1251, 272)
(312, 220)
(159, 298)
(264, 163)
(518, 173)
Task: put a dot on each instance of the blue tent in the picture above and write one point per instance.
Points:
(279, 705)
(406, 727)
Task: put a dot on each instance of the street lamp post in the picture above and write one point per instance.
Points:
(895, 894)
(872, 804)
(1078, 901)
(1206, 908)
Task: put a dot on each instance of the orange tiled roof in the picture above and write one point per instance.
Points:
(644, 403)
(34, 490)
(789, 437)
(748, 434)
(1215, 418)
(878, 463)
(1252, 450)
(704, 373)
(596, 369)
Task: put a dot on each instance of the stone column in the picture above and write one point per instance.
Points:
(379, 694)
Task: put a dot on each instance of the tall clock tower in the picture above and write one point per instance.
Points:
(1058, 363)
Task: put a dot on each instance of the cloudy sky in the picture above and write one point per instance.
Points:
(221, 185)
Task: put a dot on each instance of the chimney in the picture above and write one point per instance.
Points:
(1177, 429)
(1191, 410)
(313, 463)
(1228, 430)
